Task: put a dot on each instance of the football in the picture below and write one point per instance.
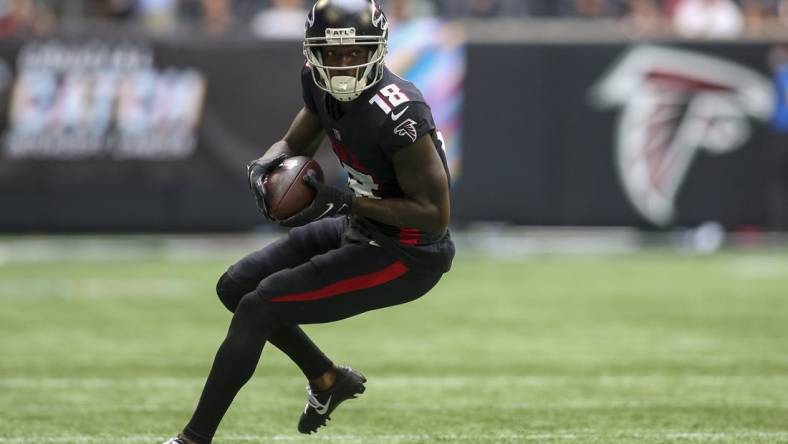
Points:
(286, 193)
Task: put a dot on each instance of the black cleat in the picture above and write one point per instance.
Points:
(349, 384)
(180, 439)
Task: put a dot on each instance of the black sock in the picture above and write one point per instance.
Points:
(296, 344)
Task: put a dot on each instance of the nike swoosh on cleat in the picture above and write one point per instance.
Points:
(329, 208)
(321, 409)
(396, 117)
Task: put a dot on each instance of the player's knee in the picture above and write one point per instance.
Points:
(256, 309)
(230, 291)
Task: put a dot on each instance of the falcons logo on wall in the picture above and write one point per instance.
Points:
(407, 129)
(675, 103)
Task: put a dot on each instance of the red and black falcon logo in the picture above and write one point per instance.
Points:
(407, 129)
(674, 104)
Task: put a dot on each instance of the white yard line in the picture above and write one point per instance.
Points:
(713, 398)
(760, 267)
(97, 287)
(460, 406)
(455, 381)
(477, 437)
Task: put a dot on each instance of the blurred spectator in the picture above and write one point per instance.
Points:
(782, 12)
(403, 11)
(158, 15)
(645, 17)
(778, 152)
(669, 7)
(217, 15)
(26, 17)
(708, 18)
(121, 9)
(495, 8)
(110, 9)
(757, 12)
(399, 11)
(283, 20)
(214, 16)
(589, 8)
(597, 8)
(244, 11)
(483, 8)
(778, 62)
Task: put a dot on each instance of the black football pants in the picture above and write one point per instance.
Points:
(310, 276)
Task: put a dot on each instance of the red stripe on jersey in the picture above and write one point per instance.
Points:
(409, 236)
(362, 282)
(345, 156)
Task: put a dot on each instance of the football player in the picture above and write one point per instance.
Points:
(382, 241)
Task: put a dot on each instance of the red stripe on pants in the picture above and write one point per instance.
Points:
(362, 282)
(409, 236)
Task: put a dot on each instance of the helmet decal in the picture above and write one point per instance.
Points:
(339, 36)
(310, 18)
(378, 19)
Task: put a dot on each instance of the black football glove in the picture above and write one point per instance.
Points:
(329, 202)
(256, 171)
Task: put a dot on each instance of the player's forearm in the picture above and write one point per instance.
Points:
(404, 212)
(302, 138)
(290, 149)
(281, 147)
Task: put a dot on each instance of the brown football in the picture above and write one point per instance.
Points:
(286, 193)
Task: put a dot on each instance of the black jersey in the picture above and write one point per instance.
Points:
(383, 119)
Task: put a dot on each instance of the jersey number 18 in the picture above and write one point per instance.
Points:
(394, 97)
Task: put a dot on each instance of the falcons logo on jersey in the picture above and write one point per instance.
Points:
(675, 103)
(407, 129)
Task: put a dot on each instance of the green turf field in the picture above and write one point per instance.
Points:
(643, 348)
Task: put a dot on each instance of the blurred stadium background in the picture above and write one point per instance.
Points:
(620, 204)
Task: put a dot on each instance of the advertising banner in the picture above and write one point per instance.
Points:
(103, 135)
(155, 135)
(127, 136)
